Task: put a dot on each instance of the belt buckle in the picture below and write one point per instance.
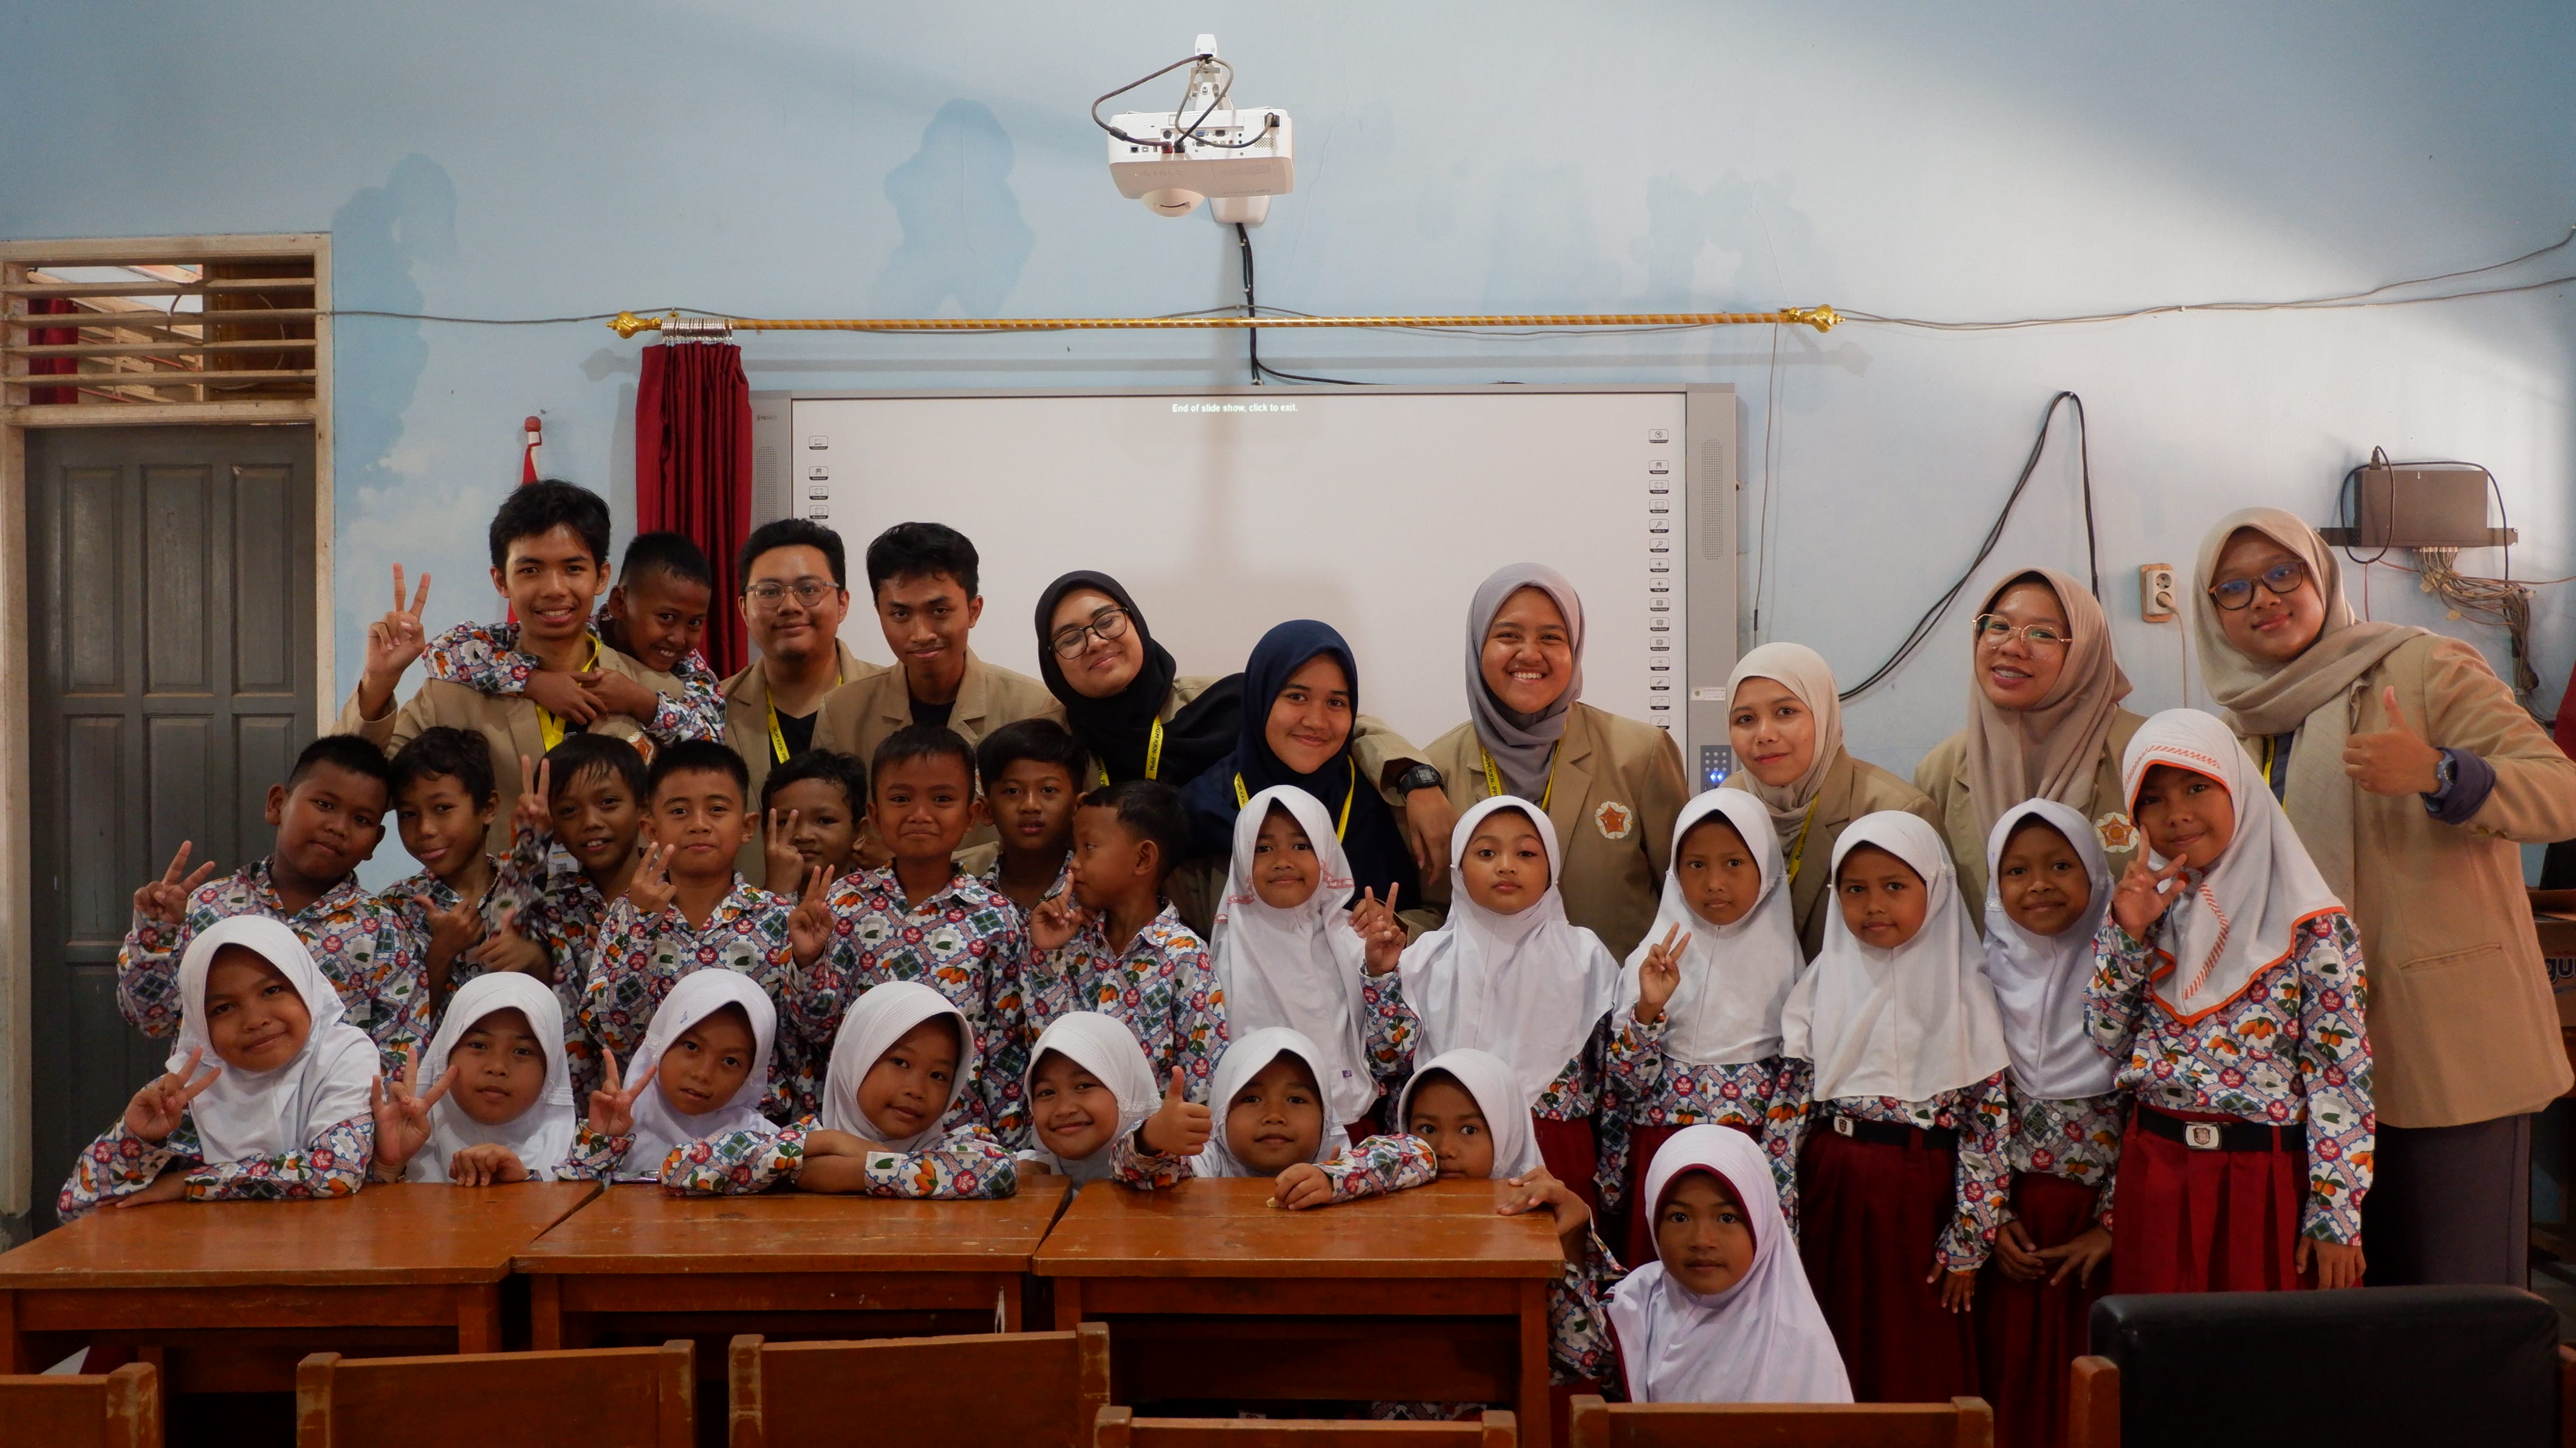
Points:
(2201, 1135)
(1842, 1126)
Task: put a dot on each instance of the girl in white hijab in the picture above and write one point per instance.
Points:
(1272, 1122)
(1284, 948)
(502, 1110)
(1784, 721)
(2048, 892)
(1089, 1089)
(1509, 975)
(694, 1084)
(1723, 1314)
(1697, 1035)
(1901, 1114)
(903, 1057)
(265, 1095)
(2229, 991)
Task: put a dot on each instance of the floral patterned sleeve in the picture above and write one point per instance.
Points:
(595, 1157)
(967, 1164)
(2333, 1058)
(1579, 1344)
(736, 1164)
(1784, 1131)
(483, 657)
(699, 711)
(1130, 1164)
(1002, 1071)
(1380, 1165)
(332, 1164)
(120, 1163)
(1634, 1061)
(1983, 1118)
(147, 965)
(1389, 1027)
(620, 988)
(1198, 1021)
(2117, 991)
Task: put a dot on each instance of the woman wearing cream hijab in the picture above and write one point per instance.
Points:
(1785, 722)
(2410, 772)
(2044, 722)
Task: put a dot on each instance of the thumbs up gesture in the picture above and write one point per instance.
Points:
(2394, 761)
(1181, 1126)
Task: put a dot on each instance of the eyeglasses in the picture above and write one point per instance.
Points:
(2280, 580)
(1107, 624)
(1994, 628)
(770, 597)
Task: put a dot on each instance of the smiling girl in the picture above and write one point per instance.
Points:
(698, 1077)
(1286, 951)
(501, 1109)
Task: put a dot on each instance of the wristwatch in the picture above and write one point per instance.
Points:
(2447, 771)
(1423, 776)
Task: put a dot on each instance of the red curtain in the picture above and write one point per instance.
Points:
(53, 337)
(693, 469)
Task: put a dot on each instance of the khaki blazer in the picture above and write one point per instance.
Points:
(507, 722)
(2461, 1025)
(1943, 776)
(1618, 787)
(746, 697)
(1853, 787)
(861, 714)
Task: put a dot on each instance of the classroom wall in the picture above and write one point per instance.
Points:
(2004, 160)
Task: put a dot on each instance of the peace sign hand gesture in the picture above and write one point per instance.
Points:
(155, 1110)
(166, 899)
(1381, 934)
(2394, 761)
(781, 865)
(650, 888)
(2141, 901)
(402, 1113)
(1659, 974)
(612, 1110)
(533, 818)
(810, 925)
(394, 643)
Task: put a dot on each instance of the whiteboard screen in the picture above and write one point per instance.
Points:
(1224, 513)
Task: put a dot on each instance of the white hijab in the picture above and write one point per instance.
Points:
(2040, 980)
(1242, 1061)
(245, 1115)
(541, 1136)
(1105, 1047)
(1527, 987)
(1735, 978)
(2229, 925)
(1495, 1088)
(875, 1021)
(1761, 1340)
(1298, 967)
(1803, 672)
(1908, 1023)
(659, 1127)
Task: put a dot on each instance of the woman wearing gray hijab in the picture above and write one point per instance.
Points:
(1612, 787)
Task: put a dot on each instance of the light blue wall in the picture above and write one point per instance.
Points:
(483, 159)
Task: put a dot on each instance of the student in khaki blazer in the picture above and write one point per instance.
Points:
(1785, 722)
(923, 583)
(1612, 787)
(2044, 722)
(2410, 772)
(795, 596)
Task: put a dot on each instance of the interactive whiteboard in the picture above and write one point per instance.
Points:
(1377, 510)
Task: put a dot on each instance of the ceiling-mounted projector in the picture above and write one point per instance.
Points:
(1207, 149)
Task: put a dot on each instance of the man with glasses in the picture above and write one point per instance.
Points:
(794, 595)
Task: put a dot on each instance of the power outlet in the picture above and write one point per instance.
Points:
(2156, 592)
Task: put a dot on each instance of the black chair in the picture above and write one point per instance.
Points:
(2449, 1367)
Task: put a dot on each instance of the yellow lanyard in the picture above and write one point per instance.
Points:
(1798, 851)
(551, 729)
(778, 736)
(1494, 777)
(1341, 827)
(2269, 747)
(1153, 758)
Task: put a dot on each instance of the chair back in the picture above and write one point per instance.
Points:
(507, 1399)
(1038, 1389)
(1958, 1423)
(121, 1409)
(1120, 1428)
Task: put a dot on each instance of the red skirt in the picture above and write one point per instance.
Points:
(1869, 1219)
(2205, 1221)
(2029, 1334)
(1567, 1148)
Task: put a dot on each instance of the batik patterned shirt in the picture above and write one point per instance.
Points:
(361, 943)
(332, 1164)
(1161, 986)
(2077, 1139)
(2287, 1050)
(1642, 1086)
(1981, 1114)
(485, 657)
(965, 1164)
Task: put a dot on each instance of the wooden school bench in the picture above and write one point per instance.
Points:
(230, 1294)
(641, 1265)
(1209, 1292)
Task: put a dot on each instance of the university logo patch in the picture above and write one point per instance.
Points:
(2117, 831)
(1614, 820)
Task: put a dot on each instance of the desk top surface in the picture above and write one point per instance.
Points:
(1225, 1228)
(392, 1235)
(642, 1229)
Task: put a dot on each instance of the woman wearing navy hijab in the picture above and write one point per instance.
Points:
(1300, 700)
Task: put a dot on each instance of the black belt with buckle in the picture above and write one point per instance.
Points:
(1888, 1133)
(2222, 1135)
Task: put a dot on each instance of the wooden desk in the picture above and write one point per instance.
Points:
(1425, 1295)
(231, 1294)
(641, 1263)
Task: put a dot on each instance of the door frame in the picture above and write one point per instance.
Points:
(17, 865)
